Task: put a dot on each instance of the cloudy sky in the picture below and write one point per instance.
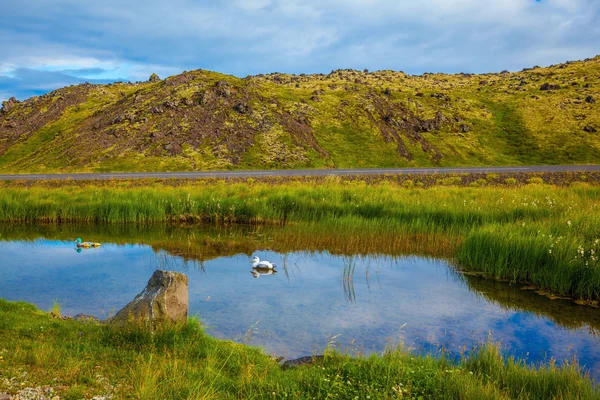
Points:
(47, 44)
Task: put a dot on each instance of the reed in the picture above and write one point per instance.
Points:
(541, 234)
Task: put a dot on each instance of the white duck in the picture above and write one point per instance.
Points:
(256, 263)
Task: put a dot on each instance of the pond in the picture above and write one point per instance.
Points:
(362, 303)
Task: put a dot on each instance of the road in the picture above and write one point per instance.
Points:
(304, 172)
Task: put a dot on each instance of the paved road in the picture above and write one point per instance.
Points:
(305, 172)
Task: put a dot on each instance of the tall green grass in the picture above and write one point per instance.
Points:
(83, 360)
(540, 234)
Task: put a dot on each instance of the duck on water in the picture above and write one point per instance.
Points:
(256, 263)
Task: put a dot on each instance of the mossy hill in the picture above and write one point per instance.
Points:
(205, 120)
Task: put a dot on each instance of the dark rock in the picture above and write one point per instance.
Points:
(318, 92)
(549, 86)
(427, 126)
(484, 82)
(419, 94)
(156, 110)
(458, 119)
(465, 128)
(590, 100)
(587, 86)
(118, 119)
(171, 104)
(316, 98)
(154, 78)
(440, 96)
(590, 129)
(301, 361)
(164, 299)
(242, 108)
(223, 91)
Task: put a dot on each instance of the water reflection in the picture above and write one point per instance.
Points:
(366, 302)
(258, 272)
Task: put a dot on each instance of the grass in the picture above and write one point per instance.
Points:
(77, 360)
(540, 234)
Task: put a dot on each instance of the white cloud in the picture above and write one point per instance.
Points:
(245, 37)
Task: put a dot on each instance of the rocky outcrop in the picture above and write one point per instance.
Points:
(154, 78)
(164, 299)
(9, 105)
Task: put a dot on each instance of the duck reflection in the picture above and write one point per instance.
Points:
(257, 272)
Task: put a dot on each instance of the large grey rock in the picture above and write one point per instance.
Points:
(164, 299)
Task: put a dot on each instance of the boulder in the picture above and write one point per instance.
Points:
(590, 100)
(549, 86)
(154, 78)
(590, 129)
(164, 299)
(241, 108)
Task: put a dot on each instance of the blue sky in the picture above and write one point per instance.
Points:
(46, 44)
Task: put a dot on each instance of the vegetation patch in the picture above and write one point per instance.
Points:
(55, 357)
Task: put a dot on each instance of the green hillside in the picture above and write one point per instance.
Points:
(204, 120)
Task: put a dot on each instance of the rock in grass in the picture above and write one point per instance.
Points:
(85, 318)
(301, 361)
(164, 299)
(549, 86)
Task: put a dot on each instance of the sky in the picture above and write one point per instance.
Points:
(48, 44)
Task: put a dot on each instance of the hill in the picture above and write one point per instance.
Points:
(205, 120)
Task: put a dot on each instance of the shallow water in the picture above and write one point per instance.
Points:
(360, 303)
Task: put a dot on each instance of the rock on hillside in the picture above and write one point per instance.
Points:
(202, 120)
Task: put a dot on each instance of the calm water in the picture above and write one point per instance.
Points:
(361, 303)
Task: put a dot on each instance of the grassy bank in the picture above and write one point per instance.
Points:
(73, 360)
(535, 233)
